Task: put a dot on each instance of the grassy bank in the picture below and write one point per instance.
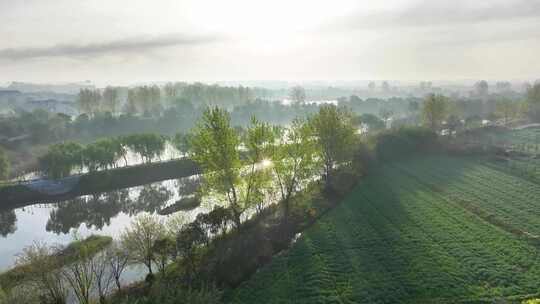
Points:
(16, 196)
(19, 274)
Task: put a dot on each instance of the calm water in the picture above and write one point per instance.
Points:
(104, 214)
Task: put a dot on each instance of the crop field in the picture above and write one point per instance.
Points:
(431, 230)
(524, 140)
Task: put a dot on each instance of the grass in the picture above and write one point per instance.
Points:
(431, 230)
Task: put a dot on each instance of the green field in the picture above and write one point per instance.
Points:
(524, 140)
(432, 230)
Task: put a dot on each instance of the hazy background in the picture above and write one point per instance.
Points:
(120, 42)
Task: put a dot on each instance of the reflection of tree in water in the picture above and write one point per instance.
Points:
(8, 222)
(151, 199)
(94, 211)
(188, 186)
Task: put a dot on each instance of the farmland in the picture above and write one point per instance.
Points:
(432, 230)
(523, 140)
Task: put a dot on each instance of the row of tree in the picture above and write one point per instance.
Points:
(151, 100)
(64, 158)
(437, 110)
(244, 168)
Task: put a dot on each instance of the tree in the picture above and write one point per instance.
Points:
(119, 257)
(297, 94)
(215, 148)
(294, 160)
(44, 273)
(413, 107)
(373, 122)
(4, 165)
(385, 86)
(80, 273)
(181, 142)
(434, 110)
(188, 239)
(110, 99)
(139, 239)
(165, 251)
(88, 101)
(61, 159)
(372, 85)
(453, 122)
(334, 131)
(533, 102)
(216, 220)
(503, 86)
(103, 274)
(481, 88)
(257, 178)
(505, 109)
(385, 114)
(148, 146)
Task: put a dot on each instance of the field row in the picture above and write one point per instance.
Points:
(400, 237)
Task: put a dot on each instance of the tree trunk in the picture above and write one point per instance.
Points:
(117, 281)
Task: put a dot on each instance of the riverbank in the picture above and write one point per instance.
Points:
(43, 191)
(19, 274)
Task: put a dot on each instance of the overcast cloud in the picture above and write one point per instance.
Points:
(124, 41)
(136, 44)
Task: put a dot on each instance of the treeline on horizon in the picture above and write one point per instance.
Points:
(175, 108)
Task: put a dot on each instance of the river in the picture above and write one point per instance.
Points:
(105, 214)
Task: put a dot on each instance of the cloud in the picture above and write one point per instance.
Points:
(130, 45)
(434, 13)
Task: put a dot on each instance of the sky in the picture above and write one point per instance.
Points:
(123, 42)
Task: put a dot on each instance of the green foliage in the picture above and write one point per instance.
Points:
(533, 102)
(164, 293)
(434, 111)
(181, 142)
(334, 131)
(3, 296)
(4, 165)
(242, 180)
(103, 154)
(294, 159)
(215, 148)
(400, 238)
(403, 142)
(373, 122)
(61, 159)
(148, 146)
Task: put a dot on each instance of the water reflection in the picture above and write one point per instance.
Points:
(151, 199)
(106, 214)
(95, 211)
(8, 222)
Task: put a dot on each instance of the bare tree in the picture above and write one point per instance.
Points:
(140, 237)
(118, 260)
(80, 275)
(102, 271)
(44, 273)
